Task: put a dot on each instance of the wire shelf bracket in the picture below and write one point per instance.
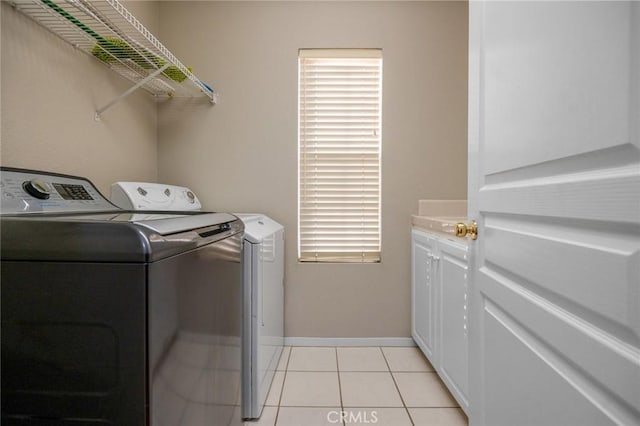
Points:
(108, 32)
(130, 91)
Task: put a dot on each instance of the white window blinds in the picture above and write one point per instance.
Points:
(340, 96)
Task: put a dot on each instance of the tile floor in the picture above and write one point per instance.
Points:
(388, 386)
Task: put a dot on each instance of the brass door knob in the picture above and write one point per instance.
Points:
(462, 230)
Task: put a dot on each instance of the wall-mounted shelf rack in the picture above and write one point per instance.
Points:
(108, 32)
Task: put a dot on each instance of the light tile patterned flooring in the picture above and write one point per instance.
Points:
(388, 386)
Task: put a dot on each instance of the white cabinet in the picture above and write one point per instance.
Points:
(439, 321)
(423, 292)
(452, 321)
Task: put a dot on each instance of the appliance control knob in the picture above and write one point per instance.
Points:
(141, 191)
(167, 192)
(37, 188)
(191, 197)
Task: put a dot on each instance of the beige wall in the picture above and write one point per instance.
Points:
(240, 155)
(49, 93)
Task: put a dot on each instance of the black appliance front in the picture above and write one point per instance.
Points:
(123, 344)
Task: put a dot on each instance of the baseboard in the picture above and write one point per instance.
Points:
(349, 341)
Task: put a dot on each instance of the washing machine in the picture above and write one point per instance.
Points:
(116, 317)
(263, 283)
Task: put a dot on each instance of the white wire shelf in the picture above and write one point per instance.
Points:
(108, 32)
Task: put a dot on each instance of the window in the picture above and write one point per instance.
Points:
(339, 141)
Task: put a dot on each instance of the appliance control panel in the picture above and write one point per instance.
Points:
(31, 191)
(153, 196)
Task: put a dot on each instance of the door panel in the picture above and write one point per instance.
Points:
(521, 368)
(562, 74)
(603, 195)
(598, 354)
(596, 274)
(554, 184)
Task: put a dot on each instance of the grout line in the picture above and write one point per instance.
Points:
(286, 367)
(339, 384)
(284, 379)
(319, 406)
(397, 388)
(330, 371)
(352, 371)
(286, 364)
(439, 407)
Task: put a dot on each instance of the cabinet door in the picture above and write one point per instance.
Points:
(423, 293)
(453, 326)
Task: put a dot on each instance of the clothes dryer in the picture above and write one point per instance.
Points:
(263, 284)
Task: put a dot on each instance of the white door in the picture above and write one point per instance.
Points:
(554, 183)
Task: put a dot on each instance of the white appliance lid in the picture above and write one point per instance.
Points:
(257, 226)
(159, 222)
(172, 225)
